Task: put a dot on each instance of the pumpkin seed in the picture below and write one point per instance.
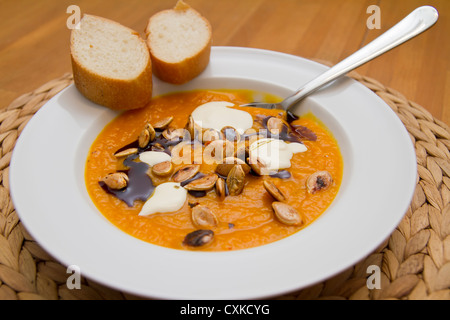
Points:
(192, 128)
(220, 189)
(274, 125)
(202, 184)
(274, 191)
(175, 134)
(286, 213)
(258, 166)
(203, 217)
(126, 152)
(116, 181)
(318, 181)
(163, 123)
(198, 238)
(147, 135)
(163, 168)
(236, 180)
(228, 163)
(186, 173)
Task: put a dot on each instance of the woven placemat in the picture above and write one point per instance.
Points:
(414, 261)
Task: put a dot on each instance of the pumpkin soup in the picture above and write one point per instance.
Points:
(195, 171)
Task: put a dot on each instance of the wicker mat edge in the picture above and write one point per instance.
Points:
(414, 261)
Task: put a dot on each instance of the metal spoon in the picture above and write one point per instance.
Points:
(412, 25)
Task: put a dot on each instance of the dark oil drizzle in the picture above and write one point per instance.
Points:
(197, 193)
(304, 133)
(193, 204)
(226, 188)
(291, 117)
(140, 186)
(282, 174)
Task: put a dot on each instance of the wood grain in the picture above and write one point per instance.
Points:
(34, 38)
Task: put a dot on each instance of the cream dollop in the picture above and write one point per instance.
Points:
(154, 157)
(275, 154)
(218, 114)
(167, 197)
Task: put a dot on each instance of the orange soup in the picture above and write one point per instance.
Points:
(225, 207)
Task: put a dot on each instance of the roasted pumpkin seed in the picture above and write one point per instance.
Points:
(202, 184)
(186, 172)
(286, 214)
(146, 136)
(192, 128)
(163, 123)
(318, 181)
(274, 191)
(274, 125)
(221, 189)
(175, 134)
(163, 168)
(228, 163)
(236, 180)
(116, 181)
(258, 166)
(126, 152)
(198, 238)
(203, 217)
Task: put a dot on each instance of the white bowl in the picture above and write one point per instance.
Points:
(49, 193)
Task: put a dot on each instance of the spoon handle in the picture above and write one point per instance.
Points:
(412, 25)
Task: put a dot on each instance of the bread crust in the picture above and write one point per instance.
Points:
(184, 71)
(187, 69)
(116, 94)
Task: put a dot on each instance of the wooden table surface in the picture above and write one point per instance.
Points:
(34, 38)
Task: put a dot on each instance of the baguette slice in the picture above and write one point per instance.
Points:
(111, 64)
(180, 43)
